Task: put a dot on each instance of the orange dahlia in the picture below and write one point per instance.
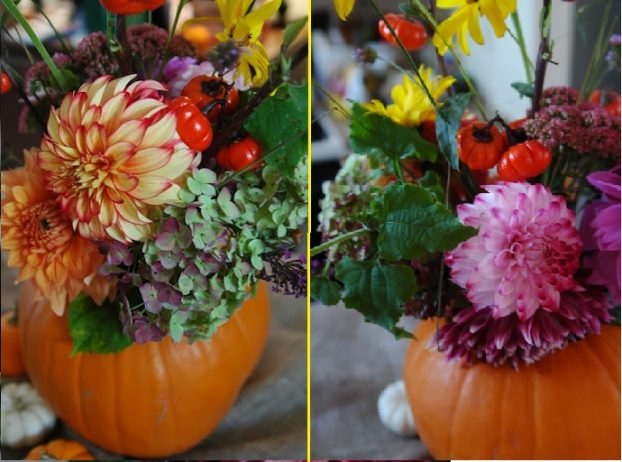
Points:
(113, 154)
(42, 243)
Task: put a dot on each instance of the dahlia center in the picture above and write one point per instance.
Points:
(45, 228)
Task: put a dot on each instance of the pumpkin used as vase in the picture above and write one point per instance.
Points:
(149, 400)
(565, 406)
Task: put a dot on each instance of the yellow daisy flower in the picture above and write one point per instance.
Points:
(244, 28)
(411, 106)
(465, 21)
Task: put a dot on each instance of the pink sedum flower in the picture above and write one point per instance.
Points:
(114, 156)
(525, 254)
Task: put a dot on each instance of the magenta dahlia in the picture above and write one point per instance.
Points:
(518, 274)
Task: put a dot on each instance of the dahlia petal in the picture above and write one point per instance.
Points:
(147, 160)
(132, 132)
(160, 132)
(142, 109)
(130, 213)
(170, 196)
(133, 231)
(112, 111)
(151, 187)
(125, 182)
(95, 139)
(178, 164)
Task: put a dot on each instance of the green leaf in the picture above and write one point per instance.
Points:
(94, 328)
(273, 124)
(524, 89)
(291, 32)
(415, 224)
(175, 326)
(432, 182)
(376, 135)
(325, 291)
(448, 118)
(377, 291)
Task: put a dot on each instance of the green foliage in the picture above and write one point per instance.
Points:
(415, 224)
(377, 291)
(448, 119)
(524, 89)
(94, 328)
(382, 139)
(291, 32)
(279, 125)
(615, 313)
(325, 291)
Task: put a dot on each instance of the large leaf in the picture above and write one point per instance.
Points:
(94, 328)
(448, 118)
(279, 124)
(377, 291)
(376, 135)
(416, 224)
(325, 291)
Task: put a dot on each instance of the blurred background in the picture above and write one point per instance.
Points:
(353, 361)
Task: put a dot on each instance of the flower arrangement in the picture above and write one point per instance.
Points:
(165, 186)
(507, 231)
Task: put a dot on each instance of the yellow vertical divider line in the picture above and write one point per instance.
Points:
(309, 118)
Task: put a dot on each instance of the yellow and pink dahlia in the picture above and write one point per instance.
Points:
(113, 154)
(42, 244)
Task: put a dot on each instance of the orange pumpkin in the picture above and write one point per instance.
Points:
(60, 450)
(149, 400)
(566, 406)
(12, 364)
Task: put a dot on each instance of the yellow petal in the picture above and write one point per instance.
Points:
(474, 28)
(255, 19)
(492, 12)
(343, 8)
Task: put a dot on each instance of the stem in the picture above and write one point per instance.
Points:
(149, 17)
(520, 40)
(596, 59)
(397, 166)
(544, 54)
(171, 34)
(467, 80)
(338, 106)
(123, 56)
(12, 9)
(406, 54)
(440, 59)
(337, 240)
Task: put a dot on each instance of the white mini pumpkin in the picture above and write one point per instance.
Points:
(394, 410)
(25, 418)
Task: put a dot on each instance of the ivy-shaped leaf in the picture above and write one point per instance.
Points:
(448, 118)
(377, 136)
(94, 328)
(325, 291)
(279, 125)
(415, 224)
(377, 291)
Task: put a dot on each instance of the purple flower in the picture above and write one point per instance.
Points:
(476, 334)
(600, 231)
(614, 40)
(176, 66)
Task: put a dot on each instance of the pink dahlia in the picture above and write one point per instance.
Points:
(525, 254)
(113, 155)
(518, 273)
